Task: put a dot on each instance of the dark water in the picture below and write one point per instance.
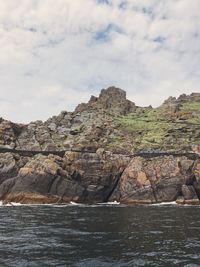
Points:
(99, 236)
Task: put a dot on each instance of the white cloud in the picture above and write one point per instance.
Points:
(55, 54)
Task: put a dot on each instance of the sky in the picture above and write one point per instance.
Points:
(55, 54)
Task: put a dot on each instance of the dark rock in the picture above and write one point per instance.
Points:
(82, 177)
(196, 172)
(188, 192)
(97, 172)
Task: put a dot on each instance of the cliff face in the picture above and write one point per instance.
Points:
(75, 177)
(112, 128)
(99, 177)
(159, 179)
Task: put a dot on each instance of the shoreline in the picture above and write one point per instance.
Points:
(96, 205)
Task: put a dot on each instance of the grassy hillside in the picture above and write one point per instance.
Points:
(162, 128)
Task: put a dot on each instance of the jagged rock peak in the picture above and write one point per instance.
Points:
(112, 99)
(191, 97)
(183, 98)
(173, 104)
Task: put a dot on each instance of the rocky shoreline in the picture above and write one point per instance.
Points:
(99, 177)
(92, 155)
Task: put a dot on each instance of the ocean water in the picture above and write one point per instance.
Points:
(99, 235)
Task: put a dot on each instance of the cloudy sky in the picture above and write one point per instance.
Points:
(55, 53)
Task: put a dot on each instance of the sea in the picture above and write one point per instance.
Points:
(99, 235)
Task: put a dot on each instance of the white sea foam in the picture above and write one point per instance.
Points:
(113, 203)
(74, 203)
(10, 204)
(165, 204)
(15, 204)
(35, 205)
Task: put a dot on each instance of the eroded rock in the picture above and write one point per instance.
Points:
(111, 129)
(150, 180)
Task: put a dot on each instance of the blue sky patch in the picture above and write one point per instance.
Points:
(148, 11)
(159, 39)
(123, 4)
(104, 34)
(107, 2)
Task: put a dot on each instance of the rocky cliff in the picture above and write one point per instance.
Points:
(107, 149)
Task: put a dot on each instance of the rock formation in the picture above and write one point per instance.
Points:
(112, 100)
(81, 177)
(159, 179)
(107, 149)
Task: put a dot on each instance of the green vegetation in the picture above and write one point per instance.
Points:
(191, 106)
(160, 129)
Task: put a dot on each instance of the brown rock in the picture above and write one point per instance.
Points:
(194, 201)
(180, 200)
(101, 128)
(151, 180)
(111, 100)
(134, 186)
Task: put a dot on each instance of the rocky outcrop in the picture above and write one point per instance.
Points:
(159, 179)
(90, 126)
(42, 175)
(80, 177)
(100, 177)
(114, 123)
(89, 155)
(173, 106)
(112, 100)
(8, 133)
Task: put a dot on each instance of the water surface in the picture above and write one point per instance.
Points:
(92, 236)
